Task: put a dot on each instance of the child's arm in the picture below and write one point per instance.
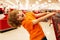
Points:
(40, 14)
(42, 18)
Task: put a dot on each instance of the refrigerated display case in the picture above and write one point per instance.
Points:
(56, 24)
(4, 26)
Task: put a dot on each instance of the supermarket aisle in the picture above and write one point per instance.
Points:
(22, 34)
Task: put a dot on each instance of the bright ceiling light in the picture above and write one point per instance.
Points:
(35, 6)
(37, 2)
(49, 0)
(27, 4)
(11, 4)
(17, 1)
(40, 0)
(21, 7)
(59, 0)
(4, 4)
(8, 1)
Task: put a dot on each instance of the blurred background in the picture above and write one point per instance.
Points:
(49, 26)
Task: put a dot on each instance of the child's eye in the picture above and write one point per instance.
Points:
(22, 15)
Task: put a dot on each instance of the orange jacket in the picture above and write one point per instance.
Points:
(35, 31)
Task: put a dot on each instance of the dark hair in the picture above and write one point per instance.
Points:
(12, 18)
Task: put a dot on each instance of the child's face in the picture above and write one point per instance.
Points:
(20, 16)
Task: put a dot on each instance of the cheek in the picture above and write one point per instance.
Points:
(21, 18)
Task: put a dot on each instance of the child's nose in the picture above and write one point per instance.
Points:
(22, 15)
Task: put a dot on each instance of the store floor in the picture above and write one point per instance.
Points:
(22, 34)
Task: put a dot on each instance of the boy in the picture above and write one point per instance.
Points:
(29, 22)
